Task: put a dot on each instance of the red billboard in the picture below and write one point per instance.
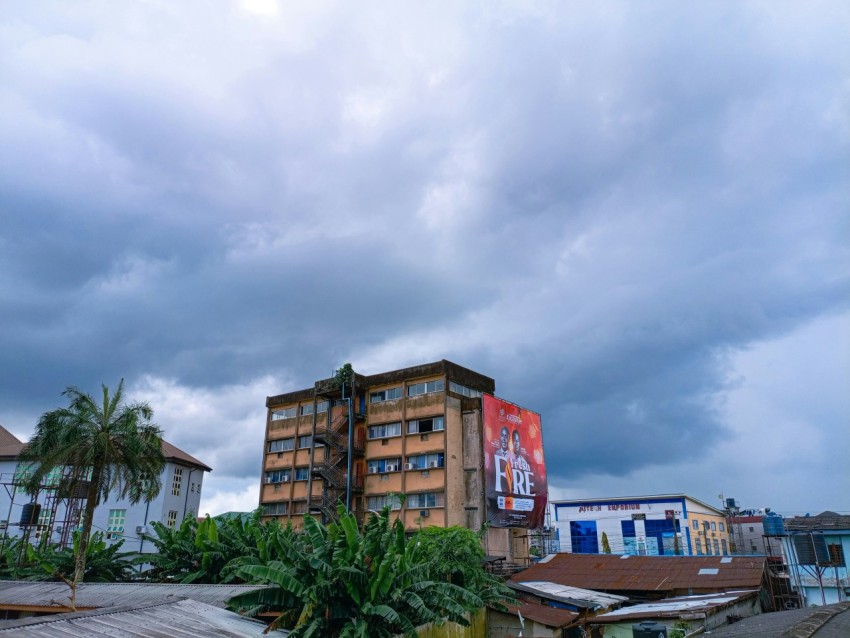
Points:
(514, 469)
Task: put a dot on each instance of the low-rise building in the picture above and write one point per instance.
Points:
(816, 550)
(662, 525)
(649, 578)
(56, 513)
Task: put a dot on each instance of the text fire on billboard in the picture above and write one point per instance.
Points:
(514, 468)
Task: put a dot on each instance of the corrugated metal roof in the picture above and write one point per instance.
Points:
(178, 619)
(823, 521)
(543, 614)
(610, 572)
(673, 607)
(15, 594)
(585, 598)
(829, 621)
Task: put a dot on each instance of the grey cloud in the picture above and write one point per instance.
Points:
(621, 199)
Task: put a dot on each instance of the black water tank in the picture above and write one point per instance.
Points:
(30, 514)
(649, 629)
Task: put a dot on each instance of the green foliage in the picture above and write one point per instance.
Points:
(344, 374)
(105, 563)
(212, 551)
(456, 555)
(606, 546)
(339, 580)
(98, 447)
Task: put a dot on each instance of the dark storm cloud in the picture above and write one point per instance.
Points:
(597, 206)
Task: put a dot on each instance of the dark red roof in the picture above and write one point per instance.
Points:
(615, 573)
(175, 453)
(7, 438)
(543, 614)
(10, 448)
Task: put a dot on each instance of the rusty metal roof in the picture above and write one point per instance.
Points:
(662, 574)
(543, 614)
(22, 594)
(178, 619)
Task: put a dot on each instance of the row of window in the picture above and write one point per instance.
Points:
(284, 476)
(417, 426)
(282, 509)
(389, 394)
(305, 410)
(413, 390)
(118, 517)
(462, 389)
(719, 547)
(285, 445)
(709, 526)
(418, 462)
(413, 501)
(381, 466)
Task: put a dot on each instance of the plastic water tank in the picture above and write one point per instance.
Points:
(649, 629)
(773, 524)
(29, 514)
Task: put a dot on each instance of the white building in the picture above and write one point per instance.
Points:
(182, 482)
(661, 525)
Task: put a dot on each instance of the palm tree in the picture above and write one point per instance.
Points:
(100, 449)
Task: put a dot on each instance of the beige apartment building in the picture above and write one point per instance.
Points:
(417, 431)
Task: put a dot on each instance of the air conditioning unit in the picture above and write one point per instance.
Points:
(409, 466)
(391, 468)
(434, 464)
(373, 470)
(424, 513)
(141, 529)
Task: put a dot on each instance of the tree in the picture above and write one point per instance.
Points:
(100, 448)
(340, 581)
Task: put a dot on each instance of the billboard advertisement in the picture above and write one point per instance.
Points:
(514, 469)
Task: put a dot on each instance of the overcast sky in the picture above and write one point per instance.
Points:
(633, 216)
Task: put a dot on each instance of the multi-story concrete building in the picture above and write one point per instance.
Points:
(667, 524)
(58, 513)
(748, 536)
(365, 440)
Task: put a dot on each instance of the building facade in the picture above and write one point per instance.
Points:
(57, 513)
(362, 441)
(816, 550)
(748, 536)
(661, 525)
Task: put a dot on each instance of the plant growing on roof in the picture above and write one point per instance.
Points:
(100, 447)
(343, 375)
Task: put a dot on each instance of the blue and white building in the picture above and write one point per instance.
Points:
(816, 550)
(180, 496)
(659, 525)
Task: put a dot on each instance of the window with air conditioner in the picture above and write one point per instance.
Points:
(426, 461)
